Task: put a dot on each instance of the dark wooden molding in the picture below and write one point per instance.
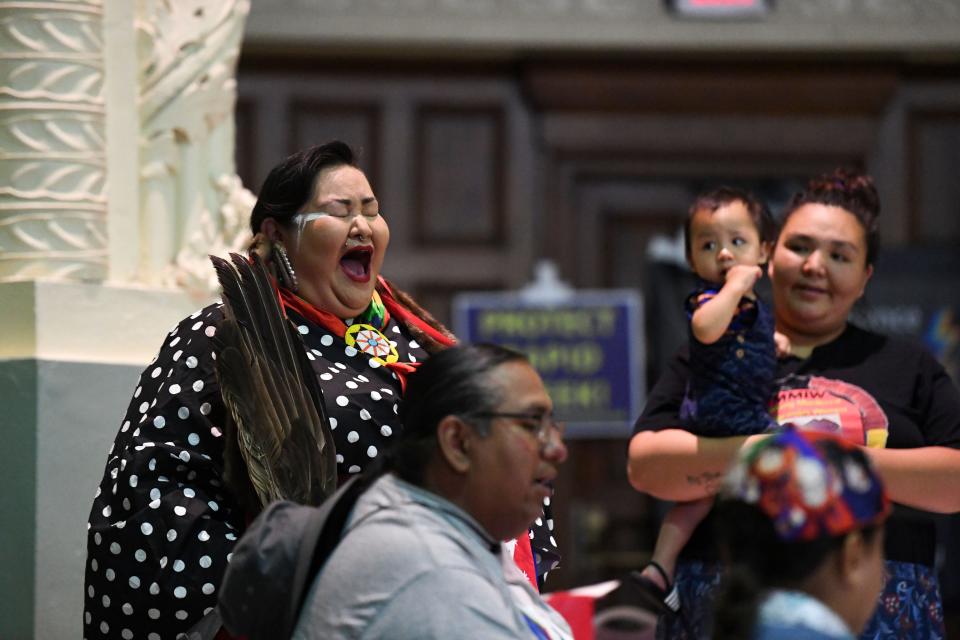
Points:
(916, 119)
(571, 174)
(370, 159)
(497, 166)
(786, 89)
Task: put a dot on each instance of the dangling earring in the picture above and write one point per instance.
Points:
(285, 272)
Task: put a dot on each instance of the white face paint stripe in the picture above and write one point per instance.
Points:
(301, 220)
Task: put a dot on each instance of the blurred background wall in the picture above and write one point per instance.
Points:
(500, 132)
(496, 133)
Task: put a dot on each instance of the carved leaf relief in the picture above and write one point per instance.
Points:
(53, 267)
(54, 243)
(27, 134)
(62, 181)
(181, 45)
(52, 158)
(188, 52)
(55, 80)
(213, 234)
(65, 34)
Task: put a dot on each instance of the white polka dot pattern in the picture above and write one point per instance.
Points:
(182, 522)
(165, 479)
(356, 389)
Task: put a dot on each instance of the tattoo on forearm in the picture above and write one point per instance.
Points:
(710, 480)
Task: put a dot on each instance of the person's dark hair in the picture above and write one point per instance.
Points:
(456, 381)
(290, 184)
(722, 196)
(756, 558)
(850, 190)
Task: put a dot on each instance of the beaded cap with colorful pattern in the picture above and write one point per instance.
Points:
(811, 485)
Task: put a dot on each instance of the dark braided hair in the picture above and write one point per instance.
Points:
(429, 344)
(850, 190)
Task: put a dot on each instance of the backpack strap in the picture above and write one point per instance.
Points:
(320, 538)
(275, 562)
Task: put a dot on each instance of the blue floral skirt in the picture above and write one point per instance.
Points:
(909, 607)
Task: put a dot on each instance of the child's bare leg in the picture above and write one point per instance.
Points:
(676, 530)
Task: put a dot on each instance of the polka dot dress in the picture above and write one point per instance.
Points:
(362, 395)
(546, 555)
(162, 525)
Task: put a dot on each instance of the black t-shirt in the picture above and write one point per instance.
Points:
(872, 389)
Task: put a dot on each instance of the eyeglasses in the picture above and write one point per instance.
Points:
(540, 425)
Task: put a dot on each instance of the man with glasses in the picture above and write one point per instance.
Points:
(422, 555)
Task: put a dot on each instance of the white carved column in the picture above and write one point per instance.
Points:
(187, 128)
(116, 180)
(52, 159)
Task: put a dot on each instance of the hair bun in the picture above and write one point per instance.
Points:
(847, 188)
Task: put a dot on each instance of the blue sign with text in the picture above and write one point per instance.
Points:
(587, 348)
